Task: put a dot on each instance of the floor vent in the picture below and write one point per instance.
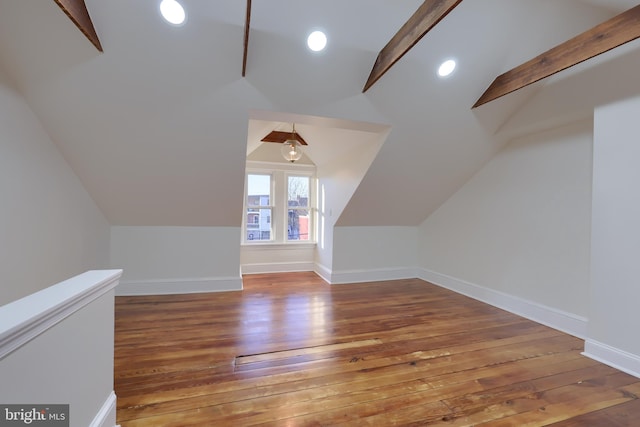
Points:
(297, 355)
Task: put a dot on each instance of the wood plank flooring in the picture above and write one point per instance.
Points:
(291, 350)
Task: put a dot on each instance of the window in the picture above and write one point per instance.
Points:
(299, 214)
(258, 207)
(279, 206)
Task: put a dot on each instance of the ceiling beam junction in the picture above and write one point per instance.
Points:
(77, 11)
(428, 15)
(603, 37)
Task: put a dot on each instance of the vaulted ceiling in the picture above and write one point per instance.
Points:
(158, 126)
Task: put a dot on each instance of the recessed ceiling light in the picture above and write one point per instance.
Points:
(317, 41)
(172, 12)
(447, 68)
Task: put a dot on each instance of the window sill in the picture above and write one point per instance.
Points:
(265, 246)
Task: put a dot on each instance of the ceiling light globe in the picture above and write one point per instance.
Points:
(291, 150)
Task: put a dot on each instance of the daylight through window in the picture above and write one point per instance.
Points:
(279, 207)
(259, 207)
(299, 215)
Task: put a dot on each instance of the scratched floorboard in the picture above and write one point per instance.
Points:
(291, 350)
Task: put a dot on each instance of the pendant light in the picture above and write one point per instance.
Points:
(292, 149)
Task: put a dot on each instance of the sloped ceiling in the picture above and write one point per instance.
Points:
(328, 139)
(157, 126)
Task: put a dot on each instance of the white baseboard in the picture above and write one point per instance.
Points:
(372, 275)
(106, 416)
(557, 319)
(178, 286)
(614, 357)
(277, 267)
(323, 271)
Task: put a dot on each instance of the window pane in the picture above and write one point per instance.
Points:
(258, 190)
(298, 224)
(298, 191)
(258, 224)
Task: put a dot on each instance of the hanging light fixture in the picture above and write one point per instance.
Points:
(292, 149)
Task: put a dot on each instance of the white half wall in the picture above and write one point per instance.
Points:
(169, 260)
(520, 228)
(615, 242)
(363, 254)
(277, 258)
(50, 227)
(56, 347)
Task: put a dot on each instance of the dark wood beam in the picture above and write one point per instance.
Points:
(77, 11)
(599, 39)
(280, 137)
(247, 26)
(424, 19)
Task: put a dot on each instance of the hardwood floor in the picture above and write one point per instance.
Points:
(291, 350)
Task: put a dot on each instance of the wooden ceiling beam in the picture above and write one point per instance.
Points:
(247, 26)
(77, 11)
(421, 22)
(599, 39)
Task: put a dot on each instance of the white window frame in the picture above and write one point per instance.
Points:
(280, 174)
(271, 206)
(310, 207)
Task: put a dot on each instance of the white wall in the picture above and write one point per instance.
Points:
(521, 226)
(615, 271)
(337, 181)
(363, 254)
(176, 259)
(50, 228)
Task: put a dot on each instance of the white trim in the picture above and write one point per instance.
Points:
(323, 271)
(179, 286)
(329, 122)
(554, 318)
(267, 246)
(106, 416)
(288, 167)
(614, 357)
(372, 275)
(24, 319)
(277, 267)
